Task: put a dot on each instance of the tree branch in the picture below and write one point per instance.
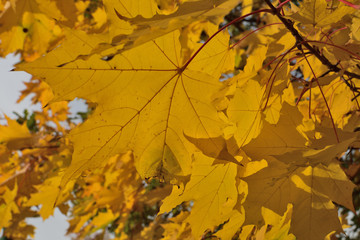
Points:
(302, 42)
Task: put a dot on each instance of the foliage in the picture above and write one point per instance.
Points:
(206, 119)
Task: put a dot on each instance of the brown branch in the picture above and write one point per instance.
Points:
(34, 147)
(16, 174)
(302, 42)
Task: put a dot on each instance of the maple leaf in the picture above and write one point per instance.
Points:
(355, 33)
(316, 12)
(177, 229)
(245, 108)
(8, 206)
(299, 172)
(211, 204)
(131, 9)
(236, 219)
(280, 225)
(245, 111)
(132, 29)
(63, 11)
(24, 24)
(48, 195)
(16, 136)
(277, 139)
(103, 219)
(148, 116)
(303, 185)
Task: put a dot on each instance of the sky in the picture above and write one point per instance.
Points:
(11, 83)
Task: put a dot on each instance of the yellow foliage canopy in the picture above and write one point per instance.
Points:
(245, 122)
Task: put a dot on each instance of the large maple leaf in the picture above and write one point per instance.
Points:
(146, 102)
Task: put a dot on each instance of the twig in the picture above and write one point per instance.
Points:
(17, 173)
(323, 95)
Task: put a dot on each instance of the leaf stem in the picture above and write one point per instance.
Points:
(273, 79)
(252, 33)
(323, 95)
(282, 4)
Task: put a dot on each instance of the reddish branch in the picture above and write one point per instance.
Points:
(302, 42)
(254, 31)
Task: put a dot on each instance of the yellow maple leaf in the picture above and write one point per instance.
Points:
(317, 13)
(355, 27)
(138, 30)
(177, 229)
(280, 225)
(213, 190)
(276, 139)
(144, 103)
(103, 218)
(311, 190)
(236, 220)
(245, 111)
(23, 22)
(48, 195)
(8, 206)
(63, 11)
(16, 136)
